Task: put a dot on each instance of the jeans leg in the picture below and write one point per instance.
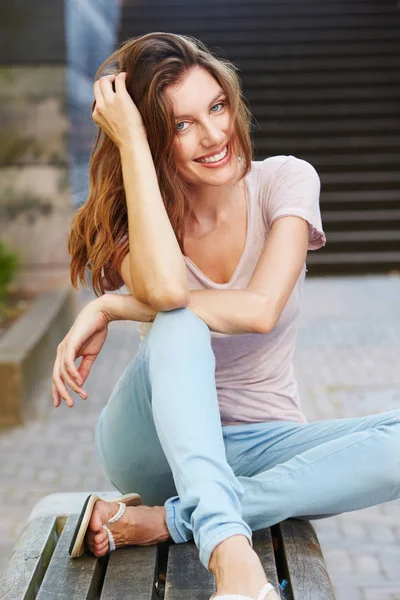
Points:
(318, 469)
(179, 373)
(165, 411)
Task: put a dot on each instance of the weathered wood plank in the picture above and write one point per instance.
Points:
(28, 562)
(263, 546)
(307, 572)
(71, 579)
(186, 576)
(131, 574)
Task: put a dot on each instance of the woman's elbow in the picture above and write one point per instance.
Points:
(170, 301)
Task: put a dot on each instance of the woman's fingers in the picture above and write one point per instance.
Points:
(98, 95)
(120, 86)
(62, 390)
(60, 375)
(84, 368)
(69, 373)
(55, 394)
(74, 375)
(66, 377)
(106, 88)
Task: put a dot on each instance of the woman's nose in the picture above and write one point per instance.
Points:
(213, 135)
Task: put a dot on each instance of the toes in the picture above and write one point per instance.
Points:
(97, 541)
(101, 549)
(100, 537)
(98, 549)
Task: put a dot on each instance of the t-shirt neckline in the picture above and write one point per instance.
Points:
(241, 259)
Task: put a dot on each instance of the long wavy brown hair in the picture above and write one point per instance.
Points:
(152, 62)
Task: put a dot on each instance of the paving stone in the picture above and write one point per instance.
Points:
(366, 563)
(338, 560)
(354, 530)
(376, 593)
(390, 565)
(348, 593)
(383, 534)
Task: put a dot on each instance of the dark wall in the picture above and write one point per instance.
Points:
(32, 32)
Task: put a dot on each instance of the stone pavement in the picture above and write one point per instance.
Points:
(347, 365)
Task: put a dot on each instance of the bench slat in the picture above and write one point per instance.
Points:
(308, 575)
(25, 569)
(263, 546)
(186, 576)
(130, 574)
(67, 578)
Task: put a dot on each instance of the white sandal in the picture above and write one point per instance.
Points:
(77, 546)
(268, 587)
(116, 517)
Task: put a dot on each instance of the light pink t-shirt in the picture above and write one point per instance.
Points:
(254, 372)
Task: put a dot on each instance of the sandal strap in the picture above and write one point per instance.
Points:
(268, 587)
(116, 517)
(111, 541)
(119, 513)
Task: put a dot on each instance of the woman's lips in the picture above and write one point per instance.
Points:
(219, 163)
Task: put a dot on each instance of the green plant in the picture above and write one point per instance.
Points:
(9, 266)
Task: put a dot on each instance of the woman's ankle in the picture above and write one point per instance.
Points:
(227, 549)
(164, 533)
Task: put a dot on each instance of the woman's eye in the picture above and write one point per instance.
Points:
(218, 104)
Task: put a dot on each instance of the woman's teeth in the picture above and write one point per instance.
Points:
(214, 158)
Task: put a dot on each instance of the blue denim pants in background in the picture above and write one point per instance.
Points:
(160, 435)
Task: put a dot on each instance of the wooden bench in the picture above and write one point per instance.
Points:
(40, 566)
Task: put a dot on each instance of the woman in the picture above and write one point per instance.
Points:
(205, 422)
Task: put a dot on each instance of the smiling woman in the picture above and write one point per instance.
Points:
(191, 106)
(212, 246)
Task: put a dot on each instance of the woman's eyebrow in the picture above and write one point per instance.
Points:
(221, 93)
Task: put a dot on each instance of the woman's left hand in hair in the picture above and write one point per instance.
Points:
(115, 112)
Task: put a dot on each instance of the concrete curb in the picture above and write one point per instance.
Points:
(66, 503)
(28, 349)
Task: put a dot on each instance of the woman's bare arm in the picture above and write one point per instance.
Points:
(232, 311)
(157, 265)
(125, 307)
(224, 311)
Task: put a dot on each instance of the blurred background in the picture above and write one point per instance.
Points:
(322, 79)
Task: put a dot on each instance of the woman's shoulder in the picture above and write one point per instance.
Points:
(286, 162)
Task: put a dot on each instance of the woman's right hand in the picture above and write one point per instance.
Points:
(85, 338)
(115, 112)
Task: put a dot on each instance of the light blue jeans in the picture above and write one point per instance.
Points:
(160, 435)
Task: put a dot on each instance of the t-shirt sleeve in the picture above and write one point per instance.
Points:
(291, 186)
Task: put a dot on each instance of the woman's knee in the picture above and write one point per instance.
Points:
(178, 332)
(181, 319)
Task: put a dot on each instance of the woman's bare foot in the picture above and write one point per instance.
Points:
(237, 569)
(139, 525)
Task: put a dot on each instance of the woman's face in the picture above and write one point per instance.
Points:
(202, 127)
